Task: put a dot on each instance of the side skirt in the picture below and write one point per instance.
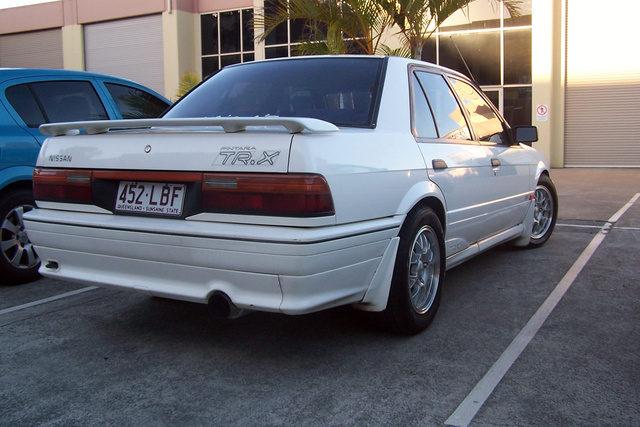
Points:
(483, 245)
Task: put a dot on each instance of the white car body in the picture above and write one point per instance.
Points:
(277, 263)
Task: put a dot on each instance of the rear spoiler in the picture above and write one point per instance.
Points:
(229, 124)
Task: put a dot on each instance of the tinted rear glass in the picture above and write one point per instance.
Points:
(342, 91)
(135, 103)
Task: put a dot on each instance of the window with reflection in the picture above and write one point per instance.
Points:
(517, 57)
(480, 52)
(56, 101)
(486, 124)
(485, 43)
(449, 119)
(525, 15)
(135, 103)
(517, 105)
(339, 90)
(226, 39)
(281, 41)
(476, 15)
(422, 117)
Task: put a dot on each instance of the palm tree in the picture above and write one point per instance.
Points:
(338, 23)
(417, 20)
(187, 82)
(332, 24)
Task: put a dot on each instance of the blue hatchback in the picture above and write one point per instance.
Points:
(28, 98)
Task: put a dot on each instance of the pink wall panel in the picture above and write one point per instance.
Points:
(71, 12)
(94, 11)
(30, 18)
(218, 5)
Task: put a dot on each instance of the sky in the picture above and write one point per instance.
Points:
(5, 4)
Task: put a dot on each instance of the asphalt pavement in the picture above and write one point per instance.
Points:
(523, 338)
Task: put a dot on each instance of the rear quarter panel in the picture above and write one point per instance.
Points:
(369, 172)
(18, 150)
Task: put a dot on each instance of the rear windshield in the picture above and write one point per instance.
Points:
(342, 91)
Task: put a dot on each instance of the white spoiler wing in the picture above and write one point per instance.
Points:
(229, 124)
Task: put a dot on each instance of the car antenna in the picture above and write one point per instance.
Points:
(462, 57)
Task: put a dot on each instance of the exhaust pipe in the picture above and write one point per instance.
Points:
(223, 308)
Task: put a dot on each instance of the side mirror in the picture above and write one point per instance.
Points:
(526, 134)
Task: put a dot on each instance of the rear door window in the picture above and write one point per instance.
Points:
(134, 103)
(424, 125)
(56, 101)
(450, 120)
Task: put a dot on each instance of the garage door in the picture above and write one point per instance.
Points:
(38, 49)
(129, 48)
(603, 87)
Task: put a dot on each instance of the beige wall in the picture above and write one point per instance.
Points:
(181, 38)
(548, 63)
(73, 47)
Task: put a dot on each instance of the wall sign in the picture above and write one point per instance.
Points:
(542, 113)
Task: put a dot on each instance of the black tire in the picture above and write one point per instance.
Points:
(545, 213)
(418, 275)
(19, 262)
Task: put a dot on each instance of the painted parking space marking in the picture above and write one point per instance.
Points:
(470, 406)
(598, 227)
(47, 300)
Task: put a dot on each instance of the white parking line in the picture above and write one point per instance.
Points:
(579, 226)
(599, 227)
(46, 300)
(470, 406)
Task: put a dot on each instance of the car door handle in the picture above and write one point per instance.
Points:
(439, 164)
(495, 163)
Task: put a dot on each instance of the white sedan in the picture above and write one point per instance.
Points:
(292, 186)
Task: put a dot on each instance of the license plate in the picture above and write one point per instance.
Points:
(150, 197)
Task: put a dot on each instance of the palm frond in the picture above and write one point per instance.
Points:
(187, 82)
(364, 22)
(403, 51)
(334, 44)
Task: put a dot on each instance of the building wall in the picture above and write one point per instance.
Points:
(548, 72)
(130, 47)
(602, 86)
(35, 49)
(182, 52)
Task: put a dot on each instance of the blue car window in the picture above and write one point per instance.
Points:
(135, 103)
(23, 101)
(58, 101)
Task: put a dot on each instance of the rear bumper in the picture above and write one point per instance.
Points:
(268, 268)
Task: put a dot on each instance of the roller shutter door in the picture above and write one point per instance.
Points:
(37, 49)
(129, 48)
(602, 90)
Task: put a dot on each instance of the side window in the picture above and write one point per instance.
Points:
(449, 118)
(422, 118)
(135, 103)
(23, 101)
(66, 101)
(487, 125)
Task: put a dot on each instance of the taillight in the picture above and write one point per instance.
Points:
(262, 194)
(62, 185)
(254, 194)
